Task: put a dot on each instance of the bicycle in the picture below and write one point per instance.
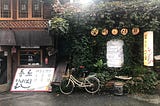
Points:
(91, 83)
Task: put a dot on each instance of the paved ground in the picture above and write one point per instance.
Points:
(75, 99)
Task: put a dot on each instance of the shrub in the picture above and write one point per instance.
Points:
(145, 81)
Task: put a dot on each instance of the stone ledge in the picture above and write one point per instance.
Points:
(4, 87)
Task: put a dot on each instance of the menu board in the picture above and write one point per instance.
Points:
(33, 79)
(115, 56)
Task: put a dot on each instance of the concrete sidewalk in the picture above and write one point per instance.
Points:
(153, 99)
(150, 98)
(10, 95)
(75, 99)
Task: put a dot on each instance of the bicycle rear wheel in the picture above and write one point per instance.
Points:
(95, 85)
(66, 86)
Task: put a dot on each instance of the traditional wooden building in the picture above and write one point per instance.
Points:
(24, 37)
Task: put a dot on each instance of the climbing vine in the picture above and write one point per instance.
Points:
(119, 14)
(85, 49)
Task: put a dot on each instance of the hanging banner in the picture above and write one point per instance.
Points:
(148, 48)
(115, 56)
(33, 79)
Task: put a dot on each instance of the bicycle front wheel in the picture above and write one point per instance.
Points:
(94, 85)
(66, 86)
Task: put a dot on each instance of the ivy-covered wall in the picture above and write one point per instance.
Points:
(85, 49)
(72, 26)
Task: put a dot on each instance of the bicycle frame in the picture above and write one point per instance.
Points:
(90, 83)
(80, 83)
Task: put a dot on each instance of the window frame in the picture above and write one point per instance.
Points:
(27, 7)
(30, 10)
(39, 9)
(11, 12)
(41, 57)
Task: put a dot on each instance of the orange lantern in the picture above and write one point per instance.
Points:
(46, 60)
(13, 50)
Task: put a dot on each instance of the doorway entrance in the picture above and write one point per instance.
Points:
(3, 68)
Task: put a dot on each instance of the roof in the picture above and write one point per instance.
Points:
(7, 37)
(26, 33)
(31, 38)
(23, 24)
(26, 38)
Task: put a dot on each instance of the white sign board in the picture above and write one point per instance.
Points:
(148, 48)
(33, 79)
(115, 57)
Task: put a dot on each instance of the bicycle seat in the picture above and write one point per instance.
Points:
(85, 71)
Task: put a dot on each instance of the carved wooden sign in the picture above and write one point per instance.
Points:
(114, 31)
(94, 32)
(135, 31)
(105, 32)
(148, 48)
(124, 31)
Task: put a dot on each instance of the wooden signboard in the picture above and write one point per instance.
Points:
(33, 79)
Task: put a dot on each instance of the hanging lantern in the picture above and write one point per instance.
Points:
(105, 32)
(1, 49)
(46, 60)
(5, 53)
(94, 32)
(124, 31)
(114, 31)
(13, 50)
(135, 31)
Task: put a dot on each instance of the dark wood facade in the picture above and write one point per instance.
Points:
(24, 36)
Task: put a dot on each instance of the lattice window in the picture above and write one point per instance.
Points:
(30, 9)
(5, 8)
(23, 8)
(30, 57)
(36, 8)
